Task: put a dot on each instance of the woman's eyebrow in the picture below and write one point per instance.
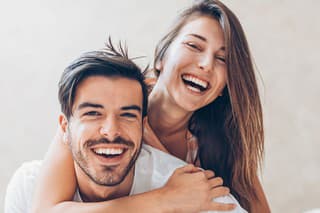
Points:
(204, 39)
(198, 36)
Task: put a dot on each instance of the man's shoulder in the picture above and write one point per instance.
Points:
(153, 168)
(20, 188)
(230, 199)
(159, 160)
(29, 169)
(25, 174)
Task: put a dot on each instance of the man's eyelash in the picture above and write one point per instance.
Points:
(129, 115)
(92, 113)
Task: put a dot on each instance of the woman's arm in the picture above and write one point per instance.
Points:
(57, 185)
(57, 179)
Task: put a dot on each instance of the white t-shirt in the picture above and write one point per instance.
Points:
(152, 170)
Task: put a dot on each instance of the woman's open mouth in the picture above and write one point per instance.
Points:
(194, 83)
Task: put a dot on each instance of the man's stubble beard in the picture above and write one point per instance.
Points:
(109, 179)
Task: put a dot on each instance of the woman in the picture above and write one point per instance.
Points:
(207, 98)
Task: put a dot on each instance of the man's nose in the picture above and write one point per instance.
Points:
(110, 128)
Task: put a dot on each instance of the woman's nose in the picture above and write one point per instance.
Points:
(206, 62)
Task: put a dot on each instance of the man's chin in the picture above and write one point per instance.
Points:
(105, 172)
(113, 175)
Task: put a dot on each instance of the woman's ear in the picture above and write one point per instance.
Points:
(144, 121)
(159, 65)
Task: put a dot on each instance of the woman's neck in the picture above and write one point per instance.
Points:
(166, 118)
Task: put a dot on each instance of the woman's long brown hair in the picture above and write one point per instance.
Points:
(230, 129)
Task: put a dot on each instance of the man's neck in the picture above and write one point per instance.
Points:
(92, 192)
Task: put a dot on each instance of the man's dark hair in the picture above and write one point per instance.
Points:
(109, 62)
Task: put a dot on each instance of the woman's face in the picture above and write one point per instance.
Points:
(193, 69)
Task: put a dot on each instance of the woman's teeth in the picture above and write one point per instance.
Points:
(193, 88)
(195, 84)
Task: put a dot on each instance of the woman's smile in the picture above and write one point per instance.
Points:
(195, 84)
(193, 68)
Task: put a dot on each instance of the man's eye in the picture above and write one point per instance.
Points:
(92, 113)
(129, 115)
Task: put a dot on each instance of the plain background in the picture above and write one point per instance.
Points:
(40, 37)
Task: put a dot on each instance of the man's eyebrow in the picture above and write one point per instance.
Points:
(131, 107)
(88, 104)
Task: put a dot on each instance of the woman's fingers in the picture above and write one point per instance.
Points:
(219, 192)
(209, 174)
(190, 168)
(222, 206)
(215, 182)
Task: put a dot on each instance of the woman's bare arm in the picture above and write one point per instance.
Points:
(57, 179)
(57, 184)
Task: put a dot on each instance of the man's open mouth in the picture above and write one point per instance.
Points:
(109, 152)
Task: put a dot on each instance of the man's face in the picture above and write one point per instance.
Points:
(105, 130)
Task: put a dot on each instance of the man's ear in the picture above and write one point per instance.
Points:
(63, 122)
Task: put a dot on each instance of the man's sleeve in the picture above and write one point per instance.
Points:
(20, 188)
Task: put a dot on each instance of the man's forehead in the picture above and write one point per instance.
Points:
(108, 92)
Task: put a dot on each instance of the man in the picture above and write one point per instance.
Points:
(103, 101)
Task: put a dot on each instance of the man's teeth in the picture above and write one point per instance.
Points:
(195, 80)
(109, 151)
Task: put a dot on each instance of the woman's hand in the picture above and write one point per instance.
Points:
(191, 189)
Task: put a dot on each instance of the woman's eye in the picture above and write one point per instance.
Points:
(221, 58)
(193, 45)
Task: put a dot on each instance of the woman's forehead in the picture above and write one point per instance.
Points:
(204, 28)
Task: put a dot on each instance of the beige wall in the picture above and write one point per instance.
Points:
(39, 38)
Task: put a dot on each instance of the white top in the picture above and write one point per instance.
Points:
(152, 170)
